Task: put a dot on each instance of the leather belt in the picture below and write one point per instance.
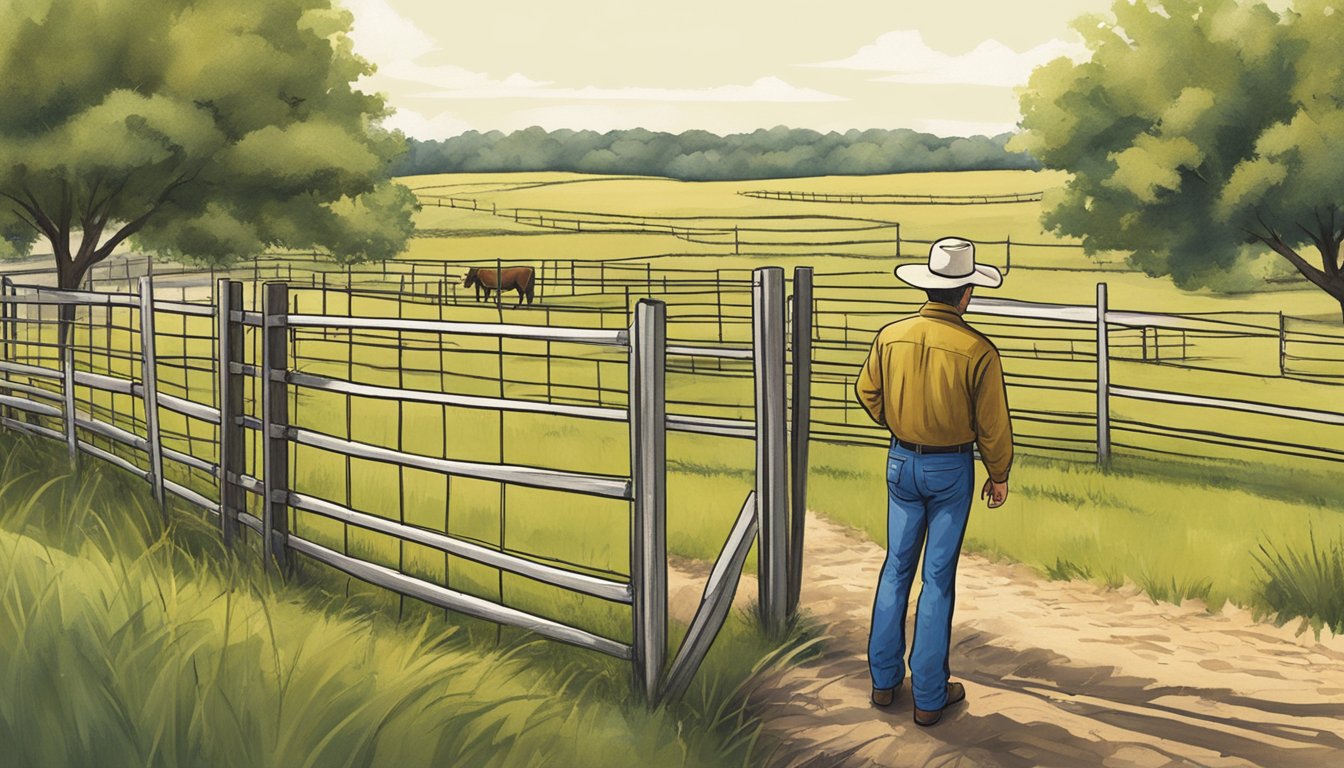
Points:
(917, 448)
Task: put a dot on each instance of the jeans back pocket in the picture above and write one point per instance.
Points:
(941, 479)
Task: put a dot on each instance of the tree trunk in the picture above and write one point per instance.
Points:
(68, 276)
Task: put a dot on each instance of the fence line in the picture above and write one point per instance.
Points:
(279, 326)
(895, 199)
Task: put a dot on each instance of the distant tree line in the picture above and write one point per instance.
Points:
(700, 156)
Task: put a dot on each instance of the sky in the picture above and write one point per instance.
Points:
(944, 66)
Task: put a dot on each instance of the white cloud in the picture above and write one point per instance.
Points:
(908, 59)
(765, 89)
(398, 47)
(599, 116)
(960, 127)
(439, 126)
(381, 34)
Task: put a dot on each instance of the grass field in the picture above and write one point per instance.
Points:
(154, 646)
(1179, 528)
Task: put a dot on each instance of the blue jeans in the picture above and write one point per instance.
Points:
(927, 495)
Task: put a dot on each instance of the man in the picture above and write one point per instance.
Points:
(937, 385)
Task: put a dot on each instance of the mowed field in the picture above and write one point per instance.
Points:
(1178, 526)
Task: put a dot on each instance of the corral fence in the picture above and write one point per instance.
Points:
(1066, 398)
(781, 234)
(895, 198)
(245, 388)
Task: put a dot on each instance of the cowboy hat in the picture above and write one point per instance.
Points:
(951, 265)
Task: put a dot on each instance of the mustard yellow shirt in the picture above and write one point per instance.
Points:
(933, 380)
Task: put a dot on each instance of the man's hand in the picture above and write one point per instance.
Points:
(995, 493)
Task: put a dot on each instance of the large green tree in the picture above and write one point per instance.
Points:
(1196, 128)
(205, 129)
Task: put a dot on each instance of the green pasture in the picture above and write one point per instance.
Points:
(1191, 527)
(169, 650)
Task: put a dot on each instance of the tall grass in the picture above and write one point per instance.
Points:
(125, 640)
(1308, 584)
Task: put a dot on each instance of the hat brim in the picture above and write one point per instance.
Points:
(920, 276)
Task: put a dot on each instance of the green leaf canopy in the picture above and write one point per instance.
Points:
(203, 129)
(1197, 127)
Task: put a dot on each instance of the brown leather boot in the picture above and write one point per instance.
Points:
(883, 697)
(955, 692)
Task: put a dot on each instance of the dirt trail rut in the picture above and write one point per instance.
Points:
(1056, 673)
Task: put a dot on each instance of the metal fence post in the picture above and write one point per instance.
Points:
(648, 474)
(1103, 380)
(232, 434)
(801, 360)
(66, 333)
(767, 321)
(7, 312)
(149, 386)
(274, 423)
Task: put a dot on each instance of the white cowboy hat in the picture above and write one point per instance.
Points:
(951, 265)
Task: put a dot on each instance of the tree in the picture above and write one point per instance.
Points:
(1196, 128)
(202, 129)
(701, 156)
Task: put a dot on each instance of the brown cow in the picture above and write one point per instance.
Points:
(506, 279)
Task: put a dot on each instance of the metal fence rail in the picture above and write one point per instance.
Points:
(253, 357)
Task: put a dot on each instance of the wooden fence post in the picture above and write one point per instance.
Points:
(1008, 254)
(648, 476)
(1103, 380)
(274, 423)
(149, 386)
(1283, 345)
(232, 434)
(898, 239)
(718, 300)
(801, 360)
(767, 320)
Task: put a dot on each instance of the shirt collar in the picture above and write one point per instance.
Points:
(941, 311)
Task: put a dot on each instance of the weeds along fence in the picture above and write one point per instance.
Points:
(247, 414)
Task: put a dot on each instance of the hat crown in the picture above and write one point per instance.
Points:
(952, 257)
(951, 265)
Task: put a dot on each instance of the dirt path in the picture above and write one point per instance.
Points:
(1057, 673)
